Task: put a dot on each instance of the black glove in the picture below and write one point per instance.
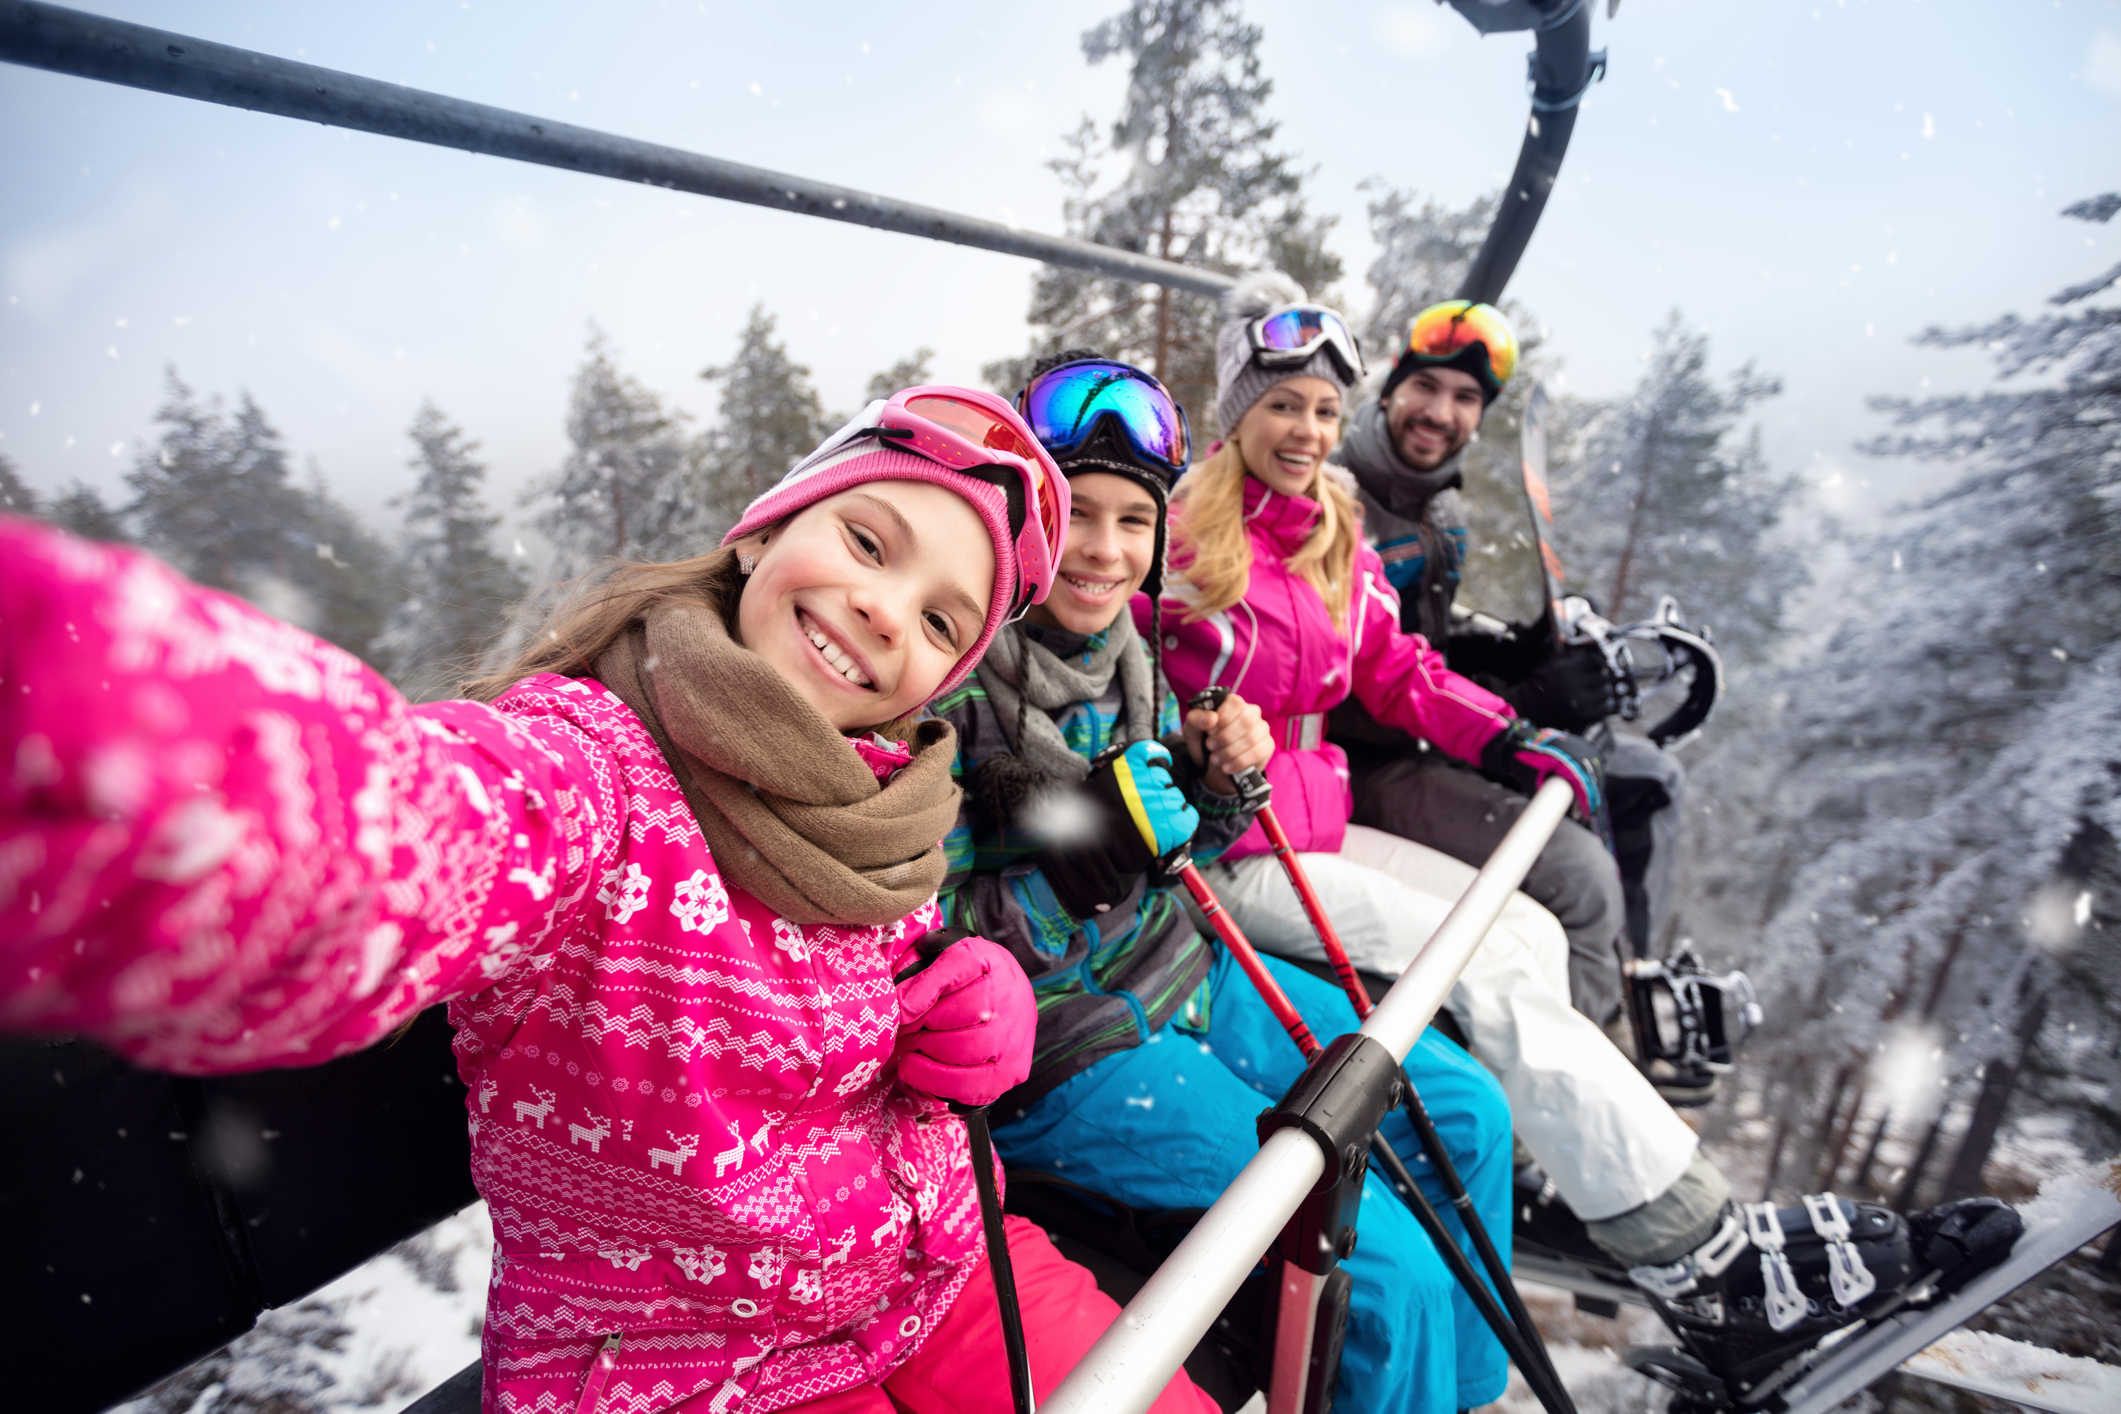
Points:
(1571, 690)
(1105, 855)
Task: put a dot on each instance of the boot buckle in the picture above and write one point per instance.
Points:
(1763, 1226)
(1785, 1303)
(1846, 1274)
(1826, 1216)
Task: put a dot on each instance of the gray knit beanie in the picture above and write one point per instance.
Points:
(1239, 380)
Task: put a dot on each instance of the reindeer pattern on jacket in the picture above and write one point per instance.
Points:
(353, 859)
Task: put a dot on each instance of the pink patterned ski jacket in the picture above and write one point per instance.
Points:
(1278, 647)
(225, 845)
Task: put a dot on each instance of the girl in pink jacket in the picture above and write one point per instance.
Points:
(1283, 602)
(664, 871)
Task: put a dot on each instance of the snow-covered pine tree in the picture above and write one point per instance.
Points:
(16, 497)
(630, 484)
(196, 508)
(1423, 254)
(82, 510)
(1949, 800)
(1665, 498)
(457, 590)
(79, 509)
(770, 417)
(909, 372)
(1200, 185)
(346, 574)
(215, 497)
(280, 1366)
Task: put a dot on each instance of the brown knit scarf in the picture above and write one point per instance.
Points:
(792, 814)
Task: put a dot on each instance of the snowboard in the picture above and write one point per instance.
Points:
(1539, 505)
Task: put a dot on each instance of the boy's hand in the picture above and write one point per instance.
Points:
(1227, 742)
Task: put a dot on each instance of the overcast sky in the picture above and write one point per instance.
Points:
(1812, 181)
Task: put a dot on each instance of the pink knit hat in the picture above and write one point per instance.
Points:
(819, 476)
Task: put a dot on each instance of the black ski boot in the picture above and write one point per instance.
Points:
(1774, 1287)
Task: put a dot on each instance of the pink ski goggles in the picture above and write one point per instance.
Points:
(980, 435)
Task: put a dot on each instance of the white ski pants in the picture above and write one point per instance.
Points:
(1605, 1137)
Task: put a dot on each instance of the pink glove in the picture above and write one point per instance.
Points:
(966, 1022)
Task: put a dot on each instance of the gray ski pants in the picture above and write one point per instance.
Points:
(1431, 799)
(1647, 788)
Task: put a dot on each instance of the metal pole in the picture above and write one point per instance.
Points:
(1136, 1356)
(1300, 1290)
(88, 46)
(1528, 1349)
(1563, 67)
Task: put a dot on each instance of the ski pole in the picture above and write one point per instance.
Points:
(1417, 1113)
(998, 1259)
(1252, 785)
(1538, 1373)
(999, 1263)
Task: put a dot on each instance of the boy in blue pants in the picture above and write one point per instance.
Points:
(1153, 1050)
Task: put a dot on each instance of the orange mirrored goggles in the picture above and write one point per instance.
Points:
(1443, 331)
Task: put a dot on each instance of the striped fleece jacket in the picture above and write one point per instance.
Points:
(1102, 986)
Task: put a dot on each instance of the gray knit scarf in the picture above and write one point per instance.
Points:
(1027, 683)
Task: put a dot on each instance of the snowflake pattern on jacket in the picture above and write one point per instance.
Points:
(225, 845)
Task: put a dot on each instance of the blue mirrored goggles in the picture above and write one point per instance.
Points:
(1065, 406)
(1291, 336)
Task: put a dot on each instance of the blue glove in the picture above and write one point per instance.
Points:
(1137, 816)
(1159, 812)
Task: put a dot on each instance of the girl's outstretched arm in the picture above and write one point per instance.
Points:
(225, 844)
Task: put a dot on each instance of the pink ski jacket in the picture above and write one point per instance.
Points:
(225, 845)
(1277, 647)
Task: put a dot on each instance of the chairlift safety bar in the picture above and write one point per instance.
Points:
(89, 46)
(1139, 1352)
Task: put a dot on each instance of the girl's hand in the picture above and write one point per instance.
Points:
(1233, 739)
(967, 1021)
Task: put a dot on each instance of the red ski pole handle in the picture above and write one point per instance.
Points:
(1255, 780)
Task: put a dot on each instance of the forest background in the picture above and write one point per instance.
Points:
(1902, 822)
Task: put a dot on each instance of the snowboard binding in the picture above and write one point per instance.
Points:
(1687, 1023)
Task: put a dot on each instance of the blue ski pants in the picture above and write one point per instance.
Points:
(1169, 1123)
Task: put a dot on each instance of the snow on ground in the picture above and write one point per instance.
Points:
(403, 1318)
(388, 1331)
(1586, 1350)
(372, 1341)
(2011, 1369)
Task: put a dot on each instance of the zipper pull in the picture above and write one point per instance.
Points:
(600, 1374)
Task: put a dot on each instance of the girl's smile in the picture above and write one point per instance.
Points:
(843, 662)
